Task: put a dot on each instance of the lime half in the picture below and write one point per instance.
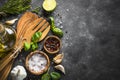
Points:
(49, 5)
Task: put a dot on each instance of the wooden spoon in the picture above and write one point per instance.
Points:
(25, 19)
(23, 22)
(39, 24)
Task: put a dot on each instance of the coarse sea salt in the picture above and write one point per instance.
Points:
(37, 62)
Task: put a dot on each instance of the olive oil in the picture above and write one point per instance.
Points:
(7, 38)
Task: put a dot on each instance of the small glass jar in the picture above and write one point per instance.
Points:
(7, 38)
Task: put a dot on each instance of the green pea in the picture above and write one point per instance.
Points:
(45, 77)
(55, 75)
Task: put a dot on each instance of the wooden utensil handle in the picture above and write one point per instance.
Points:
(5, 61)
(8, 58)
(5, 72)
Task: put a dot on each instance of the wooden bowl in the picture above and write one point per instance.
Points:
(52, 44)
(27, 64)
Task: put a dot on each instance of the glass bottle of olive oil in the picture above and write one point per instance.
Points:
(7, 38)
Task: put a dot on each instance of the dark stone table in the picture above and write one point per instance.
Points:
(91, 42)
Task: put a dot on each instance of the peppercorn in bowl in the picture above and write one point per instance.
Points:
(52, 44)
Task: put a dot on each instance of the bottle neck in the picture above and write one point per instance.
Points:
(3, 34)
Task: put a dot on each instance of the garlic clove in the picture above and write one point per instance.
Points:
(60, 68)
(18, 73)
(58, 59)
(10, 22)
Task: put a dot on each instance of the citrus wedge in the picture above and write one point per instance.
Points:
(49, 5)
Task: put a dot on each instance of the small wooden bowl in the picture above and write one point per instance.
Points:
(51, 39)
(41, 53)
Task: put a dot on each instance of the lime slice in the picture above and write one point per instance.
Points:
(49, 5)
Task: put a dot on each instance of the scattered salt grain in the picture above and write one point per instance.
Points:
(61, 27)
(67, 9)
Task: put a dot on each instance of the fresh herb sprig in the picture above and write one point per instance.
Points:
(46, 76)
(56, 31)
(15, 6)
(36, 10)
(51, 76)
(33, 45)
(55, 75)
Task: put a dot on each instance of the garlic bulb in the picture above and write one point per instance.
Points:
(61, 68)
(10, 22)
(58, 59)
(18, 73)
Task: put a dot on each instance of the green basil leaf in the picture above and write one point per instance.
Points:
(36, 36)
(26, 46)
(52, 21)
(55, 75)
(34, 46)
(46, 76)
(40, 34)
(58, 32)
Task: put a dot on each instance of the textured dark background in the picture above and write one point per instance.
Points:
(91, 41)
